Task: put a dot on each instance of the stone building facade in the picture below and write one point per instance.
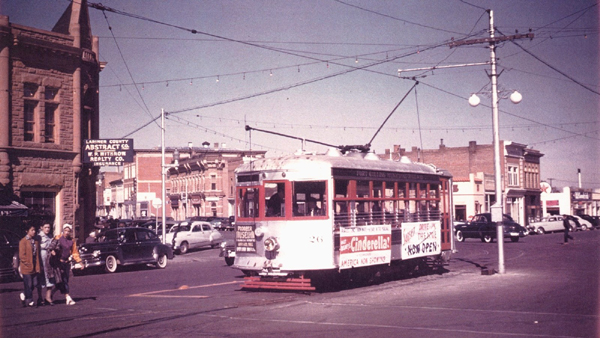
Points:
(472, 168)
(48, 106)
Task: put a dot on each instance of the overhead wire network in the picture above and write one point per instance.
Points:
(295, 53)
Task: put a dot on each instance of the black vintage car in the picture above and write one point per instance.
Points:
(125, 246)
(482, 227)
(9, 254)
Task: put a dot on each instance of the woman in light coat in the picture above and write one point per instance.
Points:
(48, 280)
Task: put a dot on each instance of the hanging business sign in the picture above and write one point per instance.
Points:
(108, 152)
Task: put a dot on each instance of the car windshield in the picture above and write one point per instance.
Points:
(507, 218)
(182, 227)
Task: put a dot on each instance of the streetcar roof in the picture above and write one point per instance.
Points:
(334, 159)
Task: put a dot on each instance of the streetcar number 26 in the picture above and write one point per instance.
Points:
(316, 239)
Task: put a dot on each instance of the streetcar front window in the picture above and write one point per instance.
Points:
(248, 202)
(274, 199)
(309, 199)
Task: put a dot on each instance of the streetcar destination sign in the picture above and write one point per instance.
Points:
(108, 152)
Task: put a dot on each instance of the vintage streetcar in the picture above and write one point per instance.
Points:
(305, 218)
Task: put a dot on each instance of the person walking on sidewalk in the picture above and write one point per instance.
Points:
(64, 248)
(567, 226)
(29, 263)
(47, 277)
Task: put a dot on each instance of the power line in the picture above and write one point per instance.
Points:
(511, 114)
(397, 19)
(553, 68)
(126, 66)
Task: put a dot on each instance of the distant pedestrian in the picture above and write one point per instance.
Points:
(48, 273)
(567, 226)
(29, 263)
(64, 249)
(91, 238)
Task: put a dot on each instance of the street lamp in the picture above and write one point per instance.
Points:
(515, 97)
(164, 168)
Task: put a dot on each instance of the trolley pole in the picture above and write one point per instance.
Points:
(497, 208)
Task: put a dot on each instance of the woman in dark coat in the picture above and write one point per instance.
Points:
(63, 249)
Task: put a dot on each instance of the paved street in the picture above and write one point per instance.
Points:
(549, 290)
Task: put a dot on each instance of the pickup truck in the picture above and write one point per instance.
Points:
(548, 224)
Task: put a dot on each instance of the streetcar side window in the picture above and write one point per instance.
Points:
(341, 188)
(274, 199)
(248, 202)
(309, 199)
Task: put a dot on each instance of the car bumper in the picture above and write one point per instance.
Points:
(91, 260)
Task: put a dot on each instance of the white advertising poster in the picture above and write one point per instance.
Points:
(420, 239)
(365, 245)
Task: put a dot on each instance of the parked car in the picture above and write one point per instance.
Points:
(482, 227)
(228, 251)
(125, 246)
(547, 224)
(9, 254)
(221, 223)
(594, 220)
(191, 235)
(152, 226)
(582, 224)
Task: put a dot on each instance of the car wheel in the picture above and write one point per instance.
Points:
(459, 236)
(540, 231)
(487, 238)
(111, 264)
(584, 228)
(229, 260)
(514, 239)
(162, 261)
(183, 248)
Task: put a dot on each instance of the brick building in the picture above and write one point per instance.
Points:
(201, 185)
(48, 106)
(472, 168)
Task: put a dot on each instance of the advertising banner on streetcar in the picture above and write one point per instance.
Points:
(365, 245)
(245, 239)
(420, 239)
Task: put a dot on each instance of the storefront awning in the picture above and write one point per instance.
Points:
(14, 209)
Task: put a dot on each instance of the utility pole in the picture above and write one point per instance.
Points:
(497, 208)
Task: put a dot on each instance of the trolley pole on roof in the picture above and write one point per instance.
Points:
(497, 208)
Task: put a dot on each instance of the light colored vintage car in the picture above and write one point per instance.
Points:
(547, 224)
(191, 235)
(583, 224)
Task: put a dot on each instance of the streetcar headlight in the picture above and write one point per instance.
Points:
(258, 232)
(271, 244)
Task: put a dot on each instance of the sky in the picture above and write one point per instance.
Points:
(328, 70)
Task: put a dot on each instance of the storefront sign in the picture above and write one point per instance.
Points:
(108, 152)
(420, 239)
(365, 245)
(579, 195)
